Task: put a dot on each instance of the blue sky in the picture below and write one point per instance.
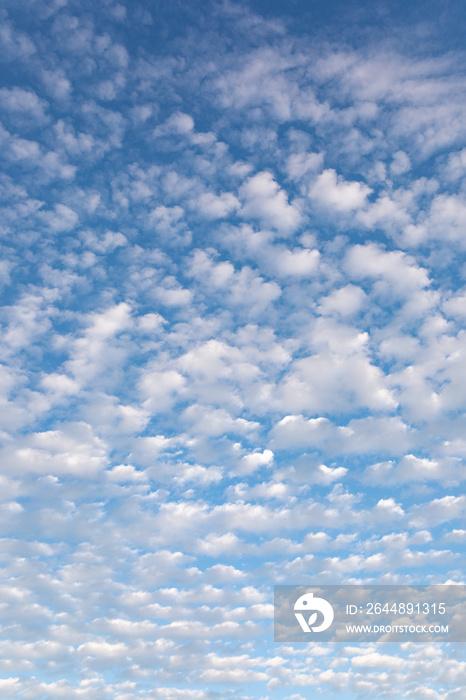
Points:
(233, 345)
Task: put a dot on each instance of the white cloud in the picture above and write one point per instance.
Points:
(215, 545)
(400, 163)
(265, 201)
(412, 468)
(125, 472)
(22, 101)
(298, 262)
(437, 511)
(71, 450)
(172, 294)
(160, 388)
(299, 165)
(198, 475)
(62, 219)
(388, 214)
(338, 375)
(56, 83)
(109, 242)
(345, 301)
(333, 191)
(60, 384)
(169, 223)
(447, 217)
(376, 660)
(295, 431)
(250, 462)
(242, 287)
(178, 123)
(456, 165)
(456, 305)
(399, 270)
(216, 206)
(101, 649)
(90, 353)
(204, 420)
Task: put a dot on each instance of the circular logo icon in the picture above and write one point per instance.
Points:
(311, 606)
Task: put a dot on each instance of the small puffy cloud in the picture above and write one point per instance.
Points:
(398, 270)
(223, 573)
(178, 124)
(113, 417)
(388, 214)
(106, 324)
(102, 649)
(455, 536)
(200, 476)
(447, 217)
(56, 84)
(387, 509)
(439, 510)
(14, 44)
(124, 473)
(23, 102)
(298, 165)
(203, 268)
(266, 491)
(244, 287)
(148, 323)
(339, 376)
(265, 201)
(345, 301)
(421, 469)
(73, 449)
(172, 294)
(331, 190)
(204, 420)
(169, 224)
(260, 82)
(160, 388)
(376, 660)
(110, 241)
(216, 545)
(24, 149)
(147, 450)
(303, 468)
(294, 431)
(90, 353)
(455, 305)
(60, 384)
(323, 475)
(233, 676)
(400, 163)
(107, 90)
(162, 693)
(297, 262)
(456, 166)
(74, 142)
(62, 219)
(253, 461)
(213, 206)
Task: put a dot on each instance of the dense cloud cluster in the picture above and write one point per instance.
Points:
(232, 348)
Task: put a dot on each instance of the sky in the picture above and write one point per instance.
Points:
(232, 340)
